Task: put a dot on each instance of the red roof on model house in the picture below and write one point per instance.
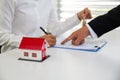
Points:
(32, 43)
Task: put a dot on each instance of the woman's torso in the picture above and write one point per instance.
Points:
(30, 15)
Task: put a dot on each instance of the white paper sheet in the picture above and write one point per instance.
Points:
(88, 45)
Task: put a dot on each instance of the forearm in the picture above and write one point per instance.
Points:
(57, 27)
(9, 41)
(106, 22)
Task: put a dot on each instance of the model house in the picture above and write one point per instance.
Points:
(33, 49)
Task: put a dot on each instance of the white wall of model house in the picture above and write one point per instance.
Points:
(31, 54)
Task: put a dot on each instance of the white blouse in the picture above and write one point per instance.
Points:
(20, 18)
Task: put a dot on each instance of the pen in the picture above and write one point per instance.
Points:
(45, 33)
(44, 30)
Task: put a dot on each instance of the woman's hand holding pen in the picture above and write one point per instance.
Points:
(50, 39)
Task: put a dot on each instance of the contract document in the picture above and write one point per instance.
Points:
(88, 45)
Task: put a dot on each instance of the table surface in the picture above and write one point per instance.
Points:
(66, 64)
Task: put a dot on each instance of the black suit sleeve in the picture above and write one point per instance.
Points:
(106, 22)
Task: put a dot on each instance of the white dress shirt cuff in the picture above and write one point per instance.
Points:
(92, 33)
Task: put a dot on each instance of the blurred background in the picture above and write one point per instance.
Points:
(67, 8)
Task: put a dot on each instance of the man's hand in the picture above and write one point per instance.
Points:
(50, 39)
(78, 36)
(84, 14)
